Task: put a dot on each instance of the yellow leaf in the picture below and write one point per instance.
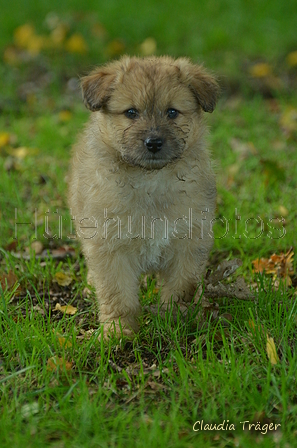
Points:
(36, 44)
(67, 309)
(62, 279)
(4, 139)
(260, 70)
(292, 59)
(271, 350)
(23, 34)
(22, 152)
(288, 120)
(65, 115)
(25, 37)
(58, 35)
(283, 211)
(55, 362)
(148, 46)
(115, 47)
(76, 44)
(63, 341)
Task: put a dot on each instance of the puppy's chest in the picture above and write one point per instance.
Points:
(146, 223)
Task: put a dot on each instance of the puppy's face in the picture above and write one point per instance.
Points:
(152, 107)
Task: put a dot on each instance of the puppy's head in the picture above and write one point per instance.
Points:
(152, 106)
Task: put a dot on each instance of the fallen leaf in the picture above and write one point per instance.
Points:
(36, 44)
(55, 362)
(4, 139)
(292, 59)
(271, 350)
(148, 46)
(39, 310)
(76, 44)
(260, 70)
(22, 152)
(64, 342)
(261, 265)
(65, 115)
(23, 34)
(279, 265)
(115, 48)
(156, 386)
(288, 121)
(62, 279)
(283, 211)
(58, 34)
(11, 246)
(66, 309)
(25, 37)
(8, 280)
(37, 247)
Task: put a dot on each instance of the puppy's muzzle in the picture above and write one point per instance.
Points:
(153, 144)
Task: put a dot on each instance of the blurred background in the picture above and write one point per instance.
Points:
(251, 46)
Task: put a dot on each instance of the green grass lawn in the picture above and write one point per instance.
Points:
(59, 385)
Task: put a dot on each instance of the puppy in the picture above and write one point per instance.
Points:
(142, 190)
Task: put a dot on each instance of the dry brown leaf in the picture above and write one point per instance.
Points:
(8, 280)
(66, 309)
(280, 265)
(261, 265)
(62, 279)
(55, 362)
(271, 350)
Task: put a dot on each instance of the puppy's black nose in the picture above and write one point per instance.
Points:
(153, 144)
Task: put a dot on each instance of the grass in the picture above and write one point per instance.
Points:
(61, 386)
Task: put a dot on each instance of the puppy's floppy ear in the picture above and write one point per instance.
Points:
(97, 87)
(203, 85)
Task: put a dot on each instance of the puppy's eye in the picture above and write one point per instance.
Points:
(172, 113)
(131, 113)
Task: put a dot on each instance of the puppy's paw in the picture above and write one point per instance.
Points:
(118, 330)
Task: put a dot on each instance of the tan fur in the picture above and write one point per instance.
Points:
(144, 211)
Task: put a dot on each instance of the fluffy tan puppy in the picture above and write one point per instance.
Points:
(142, 191)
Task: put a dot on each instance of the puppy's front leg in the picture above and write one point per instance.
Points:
(116, 282)
(181, 277)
